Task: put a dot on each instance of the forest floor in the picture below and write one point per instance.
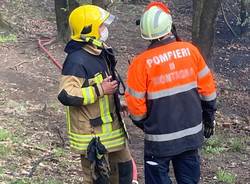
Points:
(33, 141)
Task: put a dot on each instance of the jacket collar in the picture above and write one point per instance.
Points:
(73, 46)
(158, 43)
(92, 49)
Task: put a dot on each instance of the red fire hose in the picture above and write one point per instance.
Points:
(46, 41)
(42, 42)
(135, 179)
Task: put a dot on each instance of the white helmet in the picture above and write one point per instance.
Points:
(155, 23)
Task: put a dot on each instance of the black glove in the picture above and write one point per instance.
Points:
(139, 124)
(208, 129)
(97, 155)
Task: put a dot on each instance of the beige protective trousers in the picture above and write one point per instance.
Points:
(120, 164)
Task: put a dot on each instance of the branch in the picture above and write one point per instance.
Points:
(225, 18)
(61, 137)
(231, 11)
(34, 147)
(18, 64)
(35, 164)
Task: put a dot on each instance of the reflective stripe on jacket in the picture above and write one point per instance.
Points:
(89, 112)
(167, 85)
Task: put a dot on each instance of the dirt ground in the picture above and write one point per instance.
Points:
(33, 141)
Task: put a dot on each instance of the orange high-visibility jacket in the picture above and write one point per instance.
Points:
(170, 92)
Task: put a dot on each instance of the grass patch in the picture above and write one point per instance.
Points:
(19, 181)
(8, 38)
(17, 140)
(55, 107)
(226, 177)
(52, 181)
(4, 151)
(4, 135)
(237, 144)
(36, 181)
(213, 146)
(59, 152)
(1, 171)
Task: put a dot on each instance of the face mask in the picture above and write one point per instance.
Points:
(104, 34)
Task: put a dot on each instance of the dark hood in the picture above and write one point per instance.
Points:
(73, 46)
(157, 43)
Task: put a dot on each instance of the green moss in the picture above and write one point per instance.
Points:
(8, 38)
(4, 135)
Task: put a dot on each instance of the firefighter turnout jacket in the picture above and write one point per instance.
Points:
(89, 112)
(170, 93)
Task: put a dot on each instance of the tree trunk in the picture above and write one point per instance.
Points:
(203, 28)
(103, 3)
(72, 4)
(4, 27)
(197, 10)
(62, 10)
(3, 24)
(245, 17)
(99, 3)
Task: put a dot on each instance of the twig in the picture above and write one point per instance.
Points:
(225, 18)
(229, 8)
(35, 164)
(61, 137)
(18, 64)
(35, 147)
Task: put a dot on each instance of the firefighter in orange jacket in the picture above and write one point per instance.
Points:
(171, 96)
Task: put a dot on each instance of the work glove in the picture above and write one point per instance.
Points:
(208, 129)
(97, 155)
(139, 124)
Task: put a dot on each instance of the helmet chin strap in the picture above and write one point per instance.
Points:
(95, 42)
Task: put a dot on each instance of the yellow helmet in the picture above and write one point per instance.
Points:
(85, 20)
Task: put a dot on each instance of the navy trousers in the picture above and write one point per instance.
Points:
(186, 168)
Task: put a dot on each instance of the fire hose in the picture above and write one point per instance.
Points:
(42, 42)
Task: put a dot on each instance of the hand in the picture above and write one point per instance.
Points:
(109, 87)
(208, 129)
(124, 109)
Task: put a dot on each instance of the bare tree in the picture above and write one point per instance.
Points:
(203, 26)
(62, 10)
(103, 3)
(245, 17)
(3, 24)
(100, 3)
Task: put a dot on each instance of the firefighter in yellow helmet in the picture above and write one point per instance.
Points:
(89, 90)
